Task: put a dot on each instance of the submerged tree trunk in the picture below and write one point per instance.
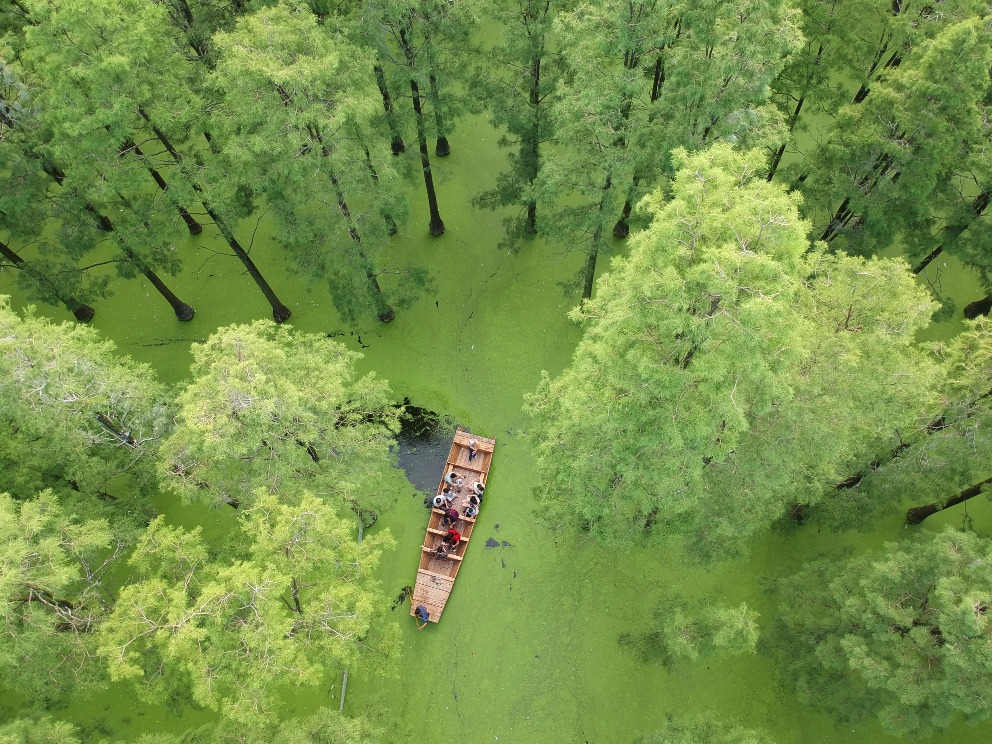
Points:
(280, 312)
(590, 270)
(442, 149)
(386, 216)
(437, 224)
(181, 309)
(793, 119)
(384, 312)
(622, 228)
(194, 227)
(918, 513)
(930, 258)
(387, 103)
(979, 307)
(530, 152)
(83, 312)
(978, 206)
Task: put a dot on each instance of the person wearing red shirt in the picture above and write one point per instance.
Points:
(453, 537)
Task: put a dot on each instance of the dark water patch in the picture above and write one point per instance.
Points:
(491, 543)
(168, 341)
(496, 526)
(423, 445)
(356, 334)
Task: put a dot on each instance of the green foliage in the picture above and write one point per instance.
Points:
(89, 93)
(326, 726)
(725, 371)
(885, 163)
(76, 416)
(52, 567)
(521, 87)
(271, 409)
(296, 121)
(704, 730)
(902, 634)
(643, 79)
(292, 599)
(38, 731)
(950, 454)
(692, 630)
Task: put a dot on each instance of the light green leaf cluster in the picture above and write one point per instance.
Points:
(902, 633)
(716, 382)
(297, 123)
(704, 730)
(292, 601)
(282, 411)
(953, 452)
(885, 162)
(51, 571)
(38, 731)
(77, 416)
(692, 630)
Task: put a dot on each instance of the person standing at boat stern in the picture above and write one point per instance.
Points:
(422, 616)
(472, 450)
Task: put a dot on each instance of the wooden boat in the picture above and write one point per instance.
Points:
(436, 575)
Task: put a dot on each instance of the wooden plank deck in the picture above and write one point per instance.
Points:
(436, 574)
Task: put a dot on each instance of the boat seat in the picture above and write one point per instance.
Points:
(425, 549)
(434, 531)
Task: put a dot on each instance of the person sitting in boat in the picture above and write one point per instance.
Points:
(422, 616)
(440, 502)
(452, 537)
(472, 511)
(442, 549)
(450, 479)
(478, 489)
(450, 517)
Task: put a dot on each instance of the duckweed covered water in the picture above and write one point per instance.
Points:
(528, 648)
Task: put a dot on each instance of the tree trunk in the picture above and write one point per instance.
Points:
(280, 312)
(918, 269)
(383, 311)
(863, 91)
(777, 158)
(918, 513)
(387, 103)
(443, 149)
(979, 307)
(978, 206)
(437, 224)
(181, 309)
(659, 78)
(622, 228)
(83, 312)
(386, 216)
(194, 227)
(590, 270)
(530, 152)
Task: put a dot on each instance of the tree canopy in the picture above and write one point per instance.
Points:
(718, 362)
